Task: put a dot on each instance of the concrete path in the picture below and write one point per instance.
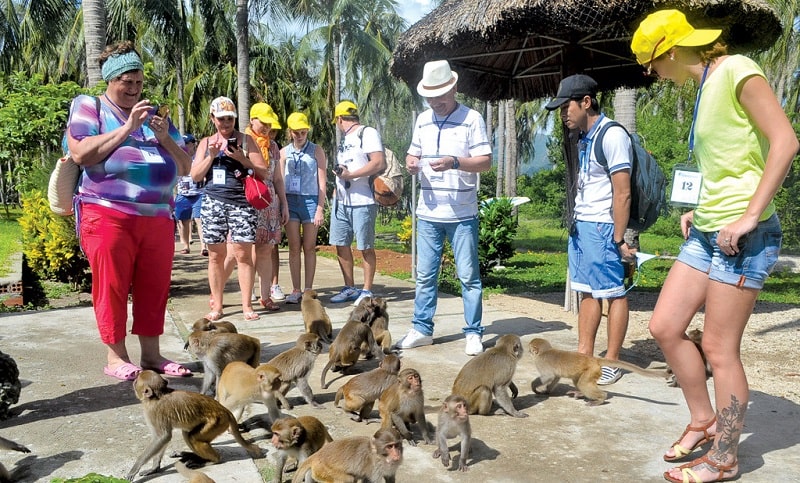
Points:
(76, 420)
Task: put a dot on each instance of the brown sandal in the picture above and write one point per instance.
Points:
(680, 451)
(690, 476)
(269, 304)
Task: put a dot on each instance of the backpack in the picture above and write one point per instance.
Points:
(387, 187)
(648, 183)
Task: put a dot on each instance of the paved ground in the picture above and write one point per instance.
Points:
(76, 420)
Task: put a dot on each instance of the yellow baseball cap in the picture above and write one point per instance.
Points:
(345, 108)
(264, 113)
(297, 121)
(665, 29)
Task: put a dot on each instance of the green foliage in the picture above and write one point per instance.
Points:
(323, 232)
(496, 232)
(49, 242)
(546, 191)
(10, 241)
(90, 478)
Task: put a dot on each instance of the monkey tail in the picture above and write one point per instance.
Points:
(192, 475)
(252, 449)
(338, 397)
(325, 371)
(659, 373)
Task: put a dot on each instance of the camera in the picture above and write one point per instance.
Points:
(338, 169)
(161, 111)
(232, 143)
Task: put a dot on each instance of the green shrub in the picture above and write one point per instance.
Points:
(49, 242)
(496, 233)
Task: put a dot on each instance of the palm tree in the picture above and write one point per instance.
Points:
(94, 33)
(242, 63)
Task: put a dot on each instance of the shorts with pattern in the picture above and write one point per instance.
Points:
(268, 222)
(220, 219)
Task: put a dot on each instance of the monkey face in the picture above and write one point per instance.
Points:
(393, 452)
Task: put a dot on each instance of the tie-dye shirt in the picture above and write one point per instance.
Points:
(138, 177)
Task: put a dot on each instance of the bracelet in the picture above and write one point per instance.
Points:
(456, 164)
(619, 243)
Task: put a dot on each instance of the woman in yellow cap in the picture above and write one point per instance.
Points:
(271, 219)
(744, 146)
(304, 168)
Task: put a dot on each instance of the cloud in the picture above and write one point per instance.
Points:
(414, 10)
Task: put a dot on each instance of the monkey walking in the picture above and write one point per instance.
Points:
(372, 310)
(584, 370)
(9, 476)
(453, 421)
(346, 348)
(295, 365)
(241, 385)
(358, 458)
(361, 392)
(315, 318)
(218, 349)
(299, 438)
(695, 336)
(199, 417)
(204, 325)
(488, 376)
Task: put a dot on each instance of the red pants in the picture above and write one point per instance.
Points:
(127, 254)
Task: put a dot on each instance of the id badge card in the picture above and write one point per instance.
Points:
(151, 155)
(686, 183)
(218, 176)
(293, 184)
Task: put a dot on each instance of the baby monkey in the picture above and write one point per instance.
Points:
(453, 421)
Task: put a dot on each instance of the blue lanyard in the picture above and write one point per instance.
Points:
(298, 156)
(585, 144)
(441, 125)
(694, 114)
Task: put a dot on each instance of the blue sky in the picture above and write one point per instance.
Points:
(413, 10)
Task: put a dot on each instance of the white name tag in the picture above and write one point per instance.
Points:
(218, 176)
(686, 183)
(151, 155)
(294, 184)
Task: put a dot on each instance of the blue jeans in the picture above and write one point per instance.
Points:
(463, 236)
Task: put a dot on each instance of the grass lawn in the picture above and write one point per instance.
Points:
(10, 240)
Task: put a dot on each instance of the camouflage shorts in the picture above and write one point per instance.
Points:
(221, 219)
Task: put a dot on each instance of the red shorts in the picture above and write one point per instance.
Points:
(127, 254)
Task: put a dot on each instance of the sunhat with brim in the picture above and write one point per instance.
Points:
(223, 107)
(297, 121)
(665, 29)
(437, 79)
(264, 113)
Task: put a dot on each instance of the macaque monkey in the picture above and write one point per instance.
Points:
(583, 369)
(695, 336)
(489, 375)
(361, 391)
(241, 385)
(193, 476)
(346, 348)
(315, 318)
(453, 421)
(9, 476)
(295, 365)
(299, 438)
(403, 402)
(203, 324)
(218, 349)
(200, 417)
(373, 312)
(358, 458)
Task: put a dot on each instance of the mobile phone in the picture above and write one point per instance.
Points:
(162, 111)
(232, 143)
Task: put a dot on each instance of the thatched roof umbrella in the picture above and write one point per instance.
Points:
(521, 49)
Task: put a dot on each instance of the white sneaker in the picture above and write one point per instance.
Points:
(361, 296)
(413, 339)
(295, 297)
(276, 294)
(474, 345)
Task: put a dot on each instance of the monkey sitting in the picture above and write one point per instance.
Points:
(404, 402)
(315, 318)
(358, 458)
(453, 421)
(372, 311)
(346, 348)
(695, 336)
(488, 376)
(203, 324)
(299, 438)
(199, 417)
(584, 370)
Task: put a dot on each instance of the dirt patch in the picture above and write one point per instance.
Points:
(389, 262)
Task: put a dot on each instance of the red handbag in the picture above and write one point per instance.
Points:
(256, 192)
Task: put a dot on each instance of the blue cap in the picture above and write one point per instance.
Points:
(188, 138)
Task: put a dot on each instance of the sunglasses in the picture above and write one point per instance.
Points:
(648, 66)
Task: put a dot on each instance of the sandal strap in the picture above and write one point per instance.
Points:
(688, 472)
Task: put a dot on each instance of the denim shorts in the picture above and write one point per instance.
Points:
(188, 207)
(225, 222)
(749, 268)
(594, 263)
(350, 221)
(302, 208)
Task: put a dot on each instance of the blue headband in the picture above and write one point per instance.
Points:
(116, 65)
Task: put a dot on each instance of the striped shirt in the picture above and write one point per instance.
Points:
(138, 177)
(448, 196)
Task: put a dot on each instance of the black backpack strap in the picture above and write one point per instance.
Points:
(599, 154)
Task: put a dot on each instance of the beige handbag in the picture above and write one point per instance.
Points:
(61, 188)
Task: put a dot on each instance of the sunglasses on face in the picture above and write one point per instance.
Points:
(648, 66)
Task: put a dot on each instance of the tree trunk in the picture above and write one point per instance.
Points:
(337, 75)
(94, 34)
(501, 148)
(511, 149)
(625, 114)
(242, 64)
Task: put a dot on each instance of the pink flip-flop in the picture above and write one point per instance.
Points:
(251, 316)
(125, 372)
(171, 368)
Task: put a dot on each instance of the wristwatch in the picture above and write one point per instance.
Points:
(619, 243)
(456, 164)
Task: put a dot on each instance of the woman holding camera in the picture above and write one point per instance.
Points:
(222, 161)
(304, 167)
